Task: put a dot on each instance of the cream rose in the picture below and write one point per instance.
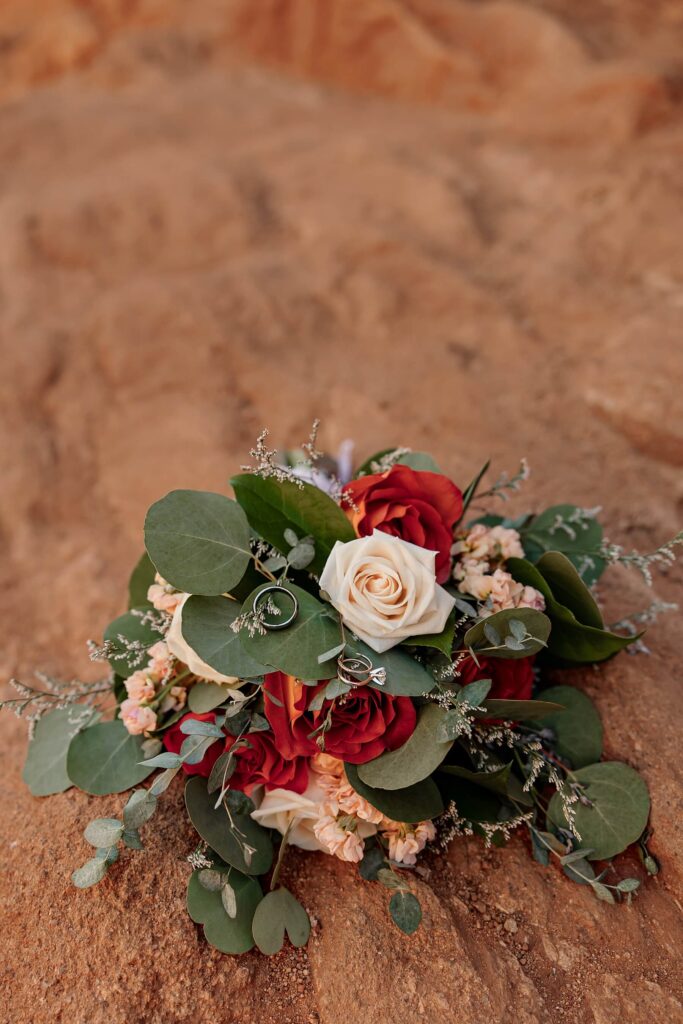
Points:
(280, 807)
(385, 589)
(178, 645)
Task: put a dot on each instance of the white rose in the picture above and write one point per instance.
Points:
(385, 589)
(280, 807)
(178, 645)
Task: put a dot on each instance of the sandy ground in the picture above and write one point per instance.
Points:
(451, 225)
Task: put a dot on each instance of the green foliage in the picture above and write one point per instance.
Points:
(207, 628)
(578, 634)
(103, 832)
(45, 767)
(230, 840)
(570, 530)
(415, 803)
(442, 641)
(296, 649)
(141, 579)
(203, 697)
(227, 933)
(617, 813)
(139, 809)
(517, 710)
(420, 461)
(497, 637)
(106, 759)
(405, 911)
(198, 541)
(125, 660)
(273, 507)
(277, 913)
(92, 872)
(419, 756)
(578, 729)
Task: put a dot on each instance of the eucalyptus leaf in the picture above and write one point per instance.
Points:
(106, 759)
(45, 767)
(103, 832)
(273, 506)
(207, 628)
(415, 803)
(140, 808)
(213, 825)
(296, 649)
(164, 760)
(131, 839)
(619, 809)
(419, 756)
(405, 911)
(226, 933)
(536, 623)
(582, 640)
(198, 541)
(277, 913)
(203, 697)
(577, 728)
(195, 727)
(141, 579)
(92, 872)
(474, 693)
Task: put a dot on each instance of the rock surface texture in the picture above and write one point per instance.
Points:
(455, 225)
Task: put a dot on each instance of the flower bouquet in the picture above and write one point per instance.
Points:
(355, 664)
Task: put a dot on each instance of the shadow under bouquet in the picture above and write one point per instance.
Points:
(355, 664)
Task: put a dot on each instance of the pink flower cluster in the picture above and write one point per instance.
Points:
(346, 819)
(478, 570)
(144, 688)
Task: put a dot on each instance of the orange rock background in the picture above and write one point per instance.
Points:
(454, 225)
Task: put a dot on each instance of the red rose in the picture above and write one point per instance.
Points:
(257, 760)
(512, 678)
(416, 506)
(362, 725)
(174, 739)
(259, 763)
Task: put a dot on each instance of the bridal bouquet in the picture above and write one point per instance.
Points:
(351, 664)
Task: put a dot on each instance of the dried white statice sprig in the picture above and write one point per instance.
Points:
(633, 624)
(254, 621)
(506, 483)
(265, 462)
(32, 702)
(663, 558)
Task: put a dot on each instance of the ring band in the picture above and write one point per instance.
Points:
(357, 670)
(273, 626)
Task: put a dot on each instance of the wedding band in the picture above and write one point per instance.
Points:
(280, 624)
(358, 670)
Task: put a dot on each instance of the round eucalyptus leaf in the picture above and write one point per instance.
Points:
(105, 759)
(406, 911)
(578, 729)
(92, 872)
(620, 805)
(277, 913)
(405, 677)
(140, 808)
(420, 755)
(203, 697)
(205, 906)
(198, 541)
(537, 626)
(207, 628)
(226, 839)
(141, 579)
(45, 767)
(415, 803)
(103, 832)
